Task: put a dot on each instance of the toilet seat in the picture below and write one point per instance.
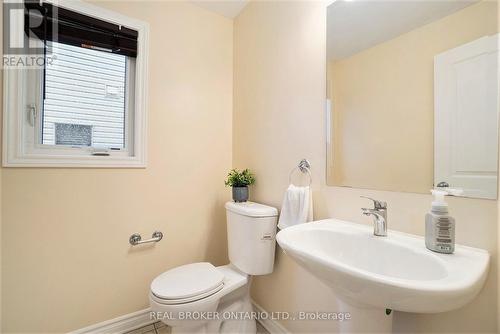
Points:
(187, 283)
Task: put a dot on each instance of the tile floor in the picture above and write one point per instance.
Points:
(156, 328)
(161, 328)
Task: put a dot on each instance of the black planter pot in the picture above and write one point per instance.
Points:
(240, 194)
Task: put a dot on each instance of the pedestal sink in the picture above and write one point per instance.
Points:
(372, 275)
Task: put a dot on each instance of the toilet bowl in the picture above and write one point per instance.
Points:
(202, 298)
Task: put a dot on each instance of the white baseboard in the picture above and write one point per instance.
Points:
(119, 325)
(271, 325)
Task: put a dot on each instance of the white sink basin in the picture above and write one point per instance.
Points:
(395, 272)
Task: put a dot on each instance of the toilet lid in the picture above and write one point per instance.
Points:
(185, 282)
(185, 300)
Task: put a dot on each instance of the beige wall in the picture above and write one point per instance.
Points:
(278, 119)
(1, 89)
(498, 223)
(383, 101)
(66, 260)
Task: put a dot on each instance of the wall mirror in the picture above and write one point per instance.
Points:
(413, 96)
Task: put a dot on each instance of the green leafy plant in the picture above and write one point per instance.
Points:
(237, 178)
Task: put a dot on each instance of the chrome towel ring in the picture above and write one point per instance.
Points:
(304, 167)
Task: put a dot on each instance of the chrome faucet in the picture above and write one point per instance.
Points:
(379, 213)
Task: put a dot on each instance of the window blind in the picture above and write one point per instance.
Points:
(52, 23)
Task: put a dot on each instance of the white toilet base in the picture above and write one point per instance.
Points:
(229, 309)
(229, 326)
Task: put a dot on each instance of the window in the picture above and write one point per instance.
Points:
(84, 102)
(85, 105)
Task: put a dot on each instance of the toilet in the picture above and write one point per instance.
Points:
(202, 298)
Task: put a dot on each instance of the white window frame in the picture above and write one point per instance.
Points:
(21, 149)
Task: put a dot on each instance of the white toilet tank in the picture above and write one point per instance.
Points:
(251, 236)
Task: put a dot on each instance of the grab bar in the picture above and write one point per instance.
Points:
(136, 239)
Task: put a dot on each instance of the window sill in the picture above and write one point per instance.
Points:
(69, 161)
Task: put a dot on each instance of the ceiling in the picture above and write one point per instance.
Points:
(227, 8)
(356, 25)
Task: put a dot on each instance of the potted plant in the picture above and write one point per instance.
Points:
(240, 180)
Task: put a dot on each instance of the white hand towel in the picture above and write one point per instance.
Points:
(297, 207)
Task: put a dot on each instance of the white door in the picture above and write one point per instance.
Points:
(466, 96)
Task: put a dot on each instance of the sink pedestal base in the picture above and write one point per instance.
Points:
(364, 319)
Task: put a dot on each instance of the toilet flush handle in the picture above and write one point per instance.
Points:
(267, 236)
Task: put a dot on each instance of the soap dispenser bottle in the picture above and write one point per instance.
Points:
(439, 226)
